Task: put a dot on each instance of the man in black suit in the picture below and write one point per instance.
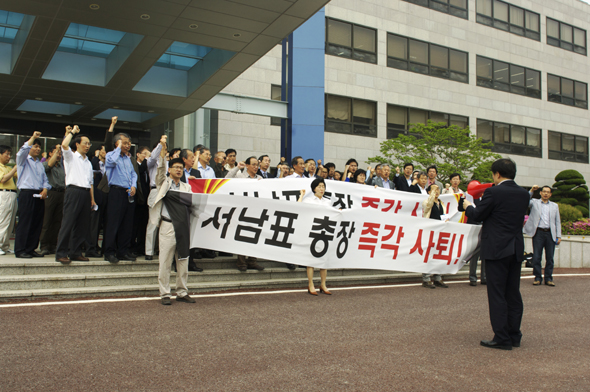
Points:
(404, 181)
(502, 210)
(191, 171)
(264, 167)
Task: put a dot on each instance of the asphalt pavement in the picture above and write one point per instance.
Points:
(388, 338)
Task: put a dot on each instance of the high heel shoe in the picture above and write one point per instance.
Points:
(325, 291)
(309, 291)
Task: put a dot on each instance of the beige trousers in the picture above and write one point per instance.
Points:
(7, 216)
(167, 252)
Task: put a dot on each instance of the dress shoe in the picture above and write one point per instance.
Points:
(515, 344)
(23, 256)
(9, 251)
(550, 283)
(537, 283)
(2, 253)
(472, 283)
(192, 266)
(92, 254)
(44, 252)
(440, 283)
(242, 268)
(127, 257)
(35, 254)
(493, 344)
(312, 292)
(111, 259)
(149, 257)
(256, 266)
(428, 285)
(166, 301)
(80, 258)
(64, 260)
(186, 299)
(325, 291)
(291, 266)
(208, 254)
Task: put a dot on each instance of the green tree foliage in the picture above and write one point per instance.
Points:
(570, 189)
(451, 148)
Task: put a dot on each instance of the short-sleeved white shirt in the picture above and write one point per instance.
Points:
(78, 169)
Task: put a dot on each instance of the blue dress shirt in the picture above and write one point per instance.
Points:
(120, 170)
(31, 173)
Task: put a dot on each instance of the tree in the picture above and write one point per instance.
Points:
(451, 148)
(570, 189)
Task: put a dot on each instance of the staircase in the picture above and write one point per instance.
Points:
(46, 278)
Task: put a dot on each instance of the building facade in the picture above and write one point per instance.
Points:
(515, 71)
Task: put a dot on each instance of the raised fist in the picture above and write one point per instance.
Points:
(68, 129)
(76, 129)
(114, 119)
(36, 134)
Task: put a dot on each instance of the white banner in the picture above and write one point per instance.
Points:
(343, 195)
(324, 237)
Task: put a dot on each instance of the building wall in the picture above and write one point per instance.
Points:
(252, 135)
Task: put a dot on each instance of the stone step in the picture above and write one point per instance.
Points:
(63, 280)
(334, 280)
(50, 268)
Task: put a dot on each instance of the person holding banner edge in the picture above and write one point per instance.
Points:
(318, 187)
(502, 210)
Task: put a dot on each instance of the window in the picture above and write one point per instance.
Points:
(567, 91)
(275, 95)
(351, 41)
(565, 147)
(566, 36)
(510, 138)
(351, 116)
(508, 77)
(399, 118)
(452, 7)
(430, 59)
(509, 18)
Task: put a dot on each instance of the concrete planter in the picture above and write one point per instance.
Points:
(573, 252)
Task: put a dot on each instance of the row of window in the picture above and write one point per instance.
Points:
(495, 13)
(508, 17)
(359, 117)
(453, 7)
(519, 140)
(426, 58)
(507, 77)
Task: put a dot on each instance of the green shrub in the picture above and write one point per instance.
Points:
(583, 210)
(569, 213)
(575, 181)
(566, 200)
(568, 175)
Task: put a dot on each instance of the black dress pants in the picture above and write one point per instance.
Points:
(30, 221)
(505, 301)
(119, 226)
(74, 225)
(97, 221)
(54, 207)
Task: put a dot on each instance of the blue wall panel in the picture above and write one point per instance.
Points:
(303, 133)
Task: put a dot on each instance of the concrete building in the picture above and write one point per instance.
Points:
(515, 71)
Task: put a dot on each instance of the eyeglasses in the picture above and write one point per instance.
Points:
(86, 144)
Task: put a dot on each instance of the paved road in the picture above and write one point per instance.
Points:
(403, 338)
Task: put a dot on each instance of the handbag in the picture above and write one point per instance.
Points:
(528, 257)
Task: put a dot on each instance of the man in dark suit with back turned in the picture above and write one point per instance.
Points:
(502, 210)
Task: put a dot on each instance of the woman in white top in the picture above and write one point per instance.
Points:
(318, 187)
(453, 187)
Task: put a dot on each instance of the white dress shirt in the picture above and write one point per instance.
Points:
(78, 169)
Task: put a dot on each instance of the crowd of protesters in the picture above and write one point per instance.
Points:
(69, 197)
